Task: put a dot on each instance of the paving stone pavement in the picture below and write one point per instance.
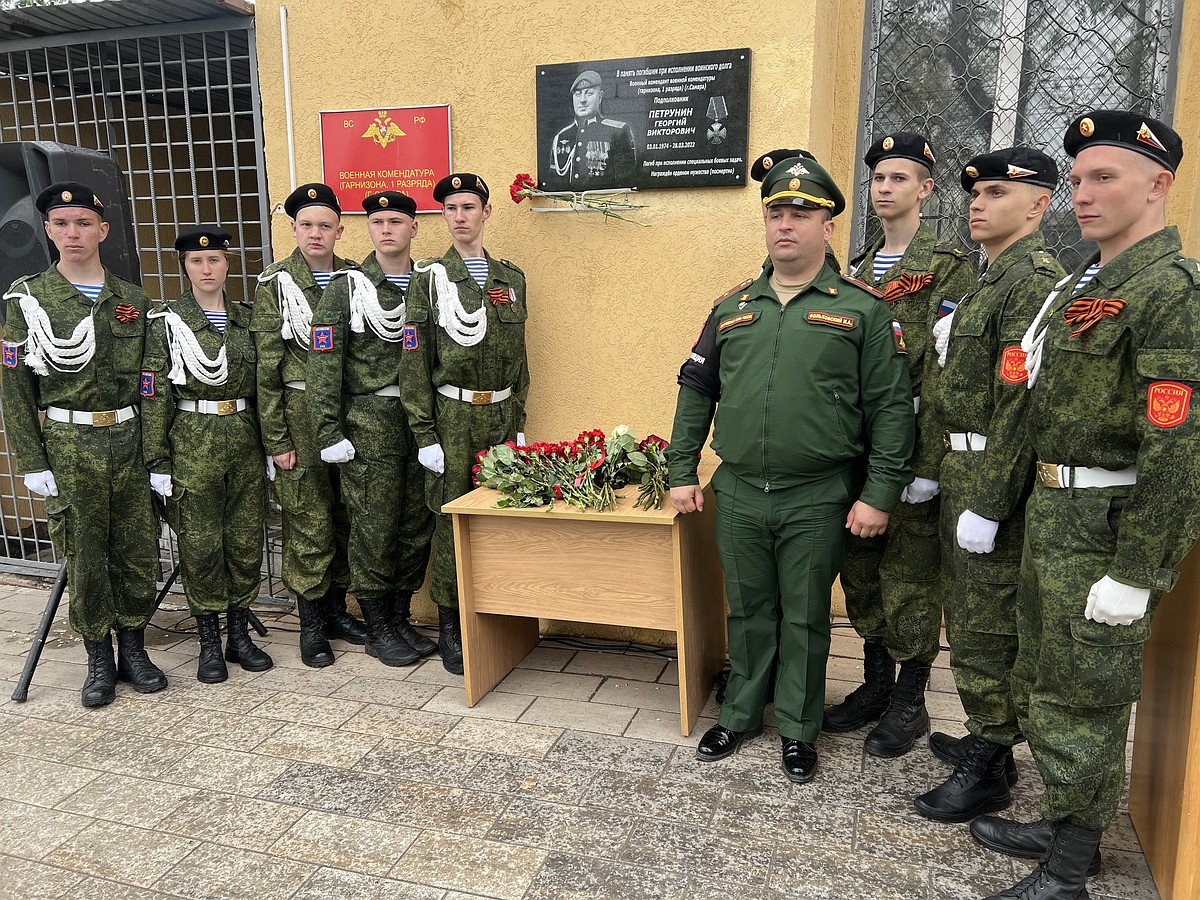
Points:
(569, 781)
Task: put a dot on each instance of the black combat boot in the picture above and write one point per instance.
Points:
(950, 749)
(383, 641)
(401, 610)
(906, 718)
(210, 667)
(977, 785)
(338, 623)
(134, 666)
(450, 640)
(1062, 874)
(869, 700)
(100, 687)
(238, 646)
(315, 651)
(1028, 840)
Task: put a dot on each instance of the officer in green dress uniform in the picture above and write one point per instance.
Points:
(201, 444)
(891, 581)
(354, 394)
(978, 398)
(1113, 365)
(464, 377)
(315, 525)
(791, 364)
(73, 350)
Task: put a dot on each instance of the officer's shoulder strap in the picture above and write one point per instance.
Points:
(861, 285)
(949, 250)
(612, 123)
(733, 290)
(1043, 261)
(1191, 266)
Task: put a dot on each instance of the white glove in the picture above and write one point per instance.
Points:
(42, 483)
(162, 485)
(432, 458)
(1112, 603)
(270, 469)
(520, 439)
(341, 452)
(976, 534)
(922, 490)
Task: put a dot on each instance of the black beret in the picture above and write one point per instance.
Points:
(458, 182)
(69, 193)
(314, 194)
(900, 145)
(392, 201)
(1020, 164)
(763, 164)
(1125, 128)
(802, 182)
(203, 237)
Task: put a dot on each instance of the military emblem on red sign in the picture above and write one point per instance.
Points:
(10, 355)
(147, 385)
(322, 337)
(409, 337)
(1012, 366)
(1167, 403)
(126, 312)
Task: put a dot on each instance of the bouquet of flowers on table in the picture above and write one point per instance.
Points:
(586, 472)
(607, 202)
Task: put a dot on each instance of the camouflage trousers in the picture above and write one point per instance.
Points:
(892, 584)
(217, 508)
(981, 608)
(1074, 680)
(104, 524)
(316, 529)
(464, 430)
(780, 551)
(384, 487)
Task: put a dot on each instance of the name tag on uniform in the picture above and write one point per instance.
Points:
(735, 321)
(322, 337)
(837, 320)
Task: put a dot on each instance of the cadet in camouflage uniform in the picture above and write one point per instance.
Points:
(1113, 362)
(464, 377)
(201, 443)
(354, 395)
(979, 398)
(315, 525)
(76, 356)
(820, 355)
(891, 582)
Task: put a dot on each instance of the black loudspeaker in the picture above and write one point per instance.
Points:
(29, 167)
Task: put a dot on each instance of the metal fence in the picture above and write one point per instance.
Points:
(177, 106)
(975, 76)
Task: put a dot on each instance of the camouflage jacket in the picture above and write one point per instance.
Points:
(433, 358)
(982, 387)
(279, 360)
(350, 363)
(927, 276)
(159, 394)
(108, 381)
(1118, 393)
(799, 391)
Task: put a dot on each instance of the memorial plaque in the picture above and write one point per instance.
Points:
(673, 121)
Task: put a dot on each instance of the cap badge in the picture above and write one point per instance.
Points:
(456, 182)
(204, 240)
(1146, 136)
(383, 201)
(96, 202)
(929, 154)
(67, 196)
(312, 193)
(888, 143)
(799, 169)
(768, 162)
(1087, 127)
(794, 184)
(971, 171)
(1019, 172)
(479, 184)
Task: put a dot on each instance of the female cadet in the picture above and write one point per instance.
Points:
(203, 450)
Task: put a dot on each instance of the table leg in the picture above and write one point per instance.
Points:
(700, 610)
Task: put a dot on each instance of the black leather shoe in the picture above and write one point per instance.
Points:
(906, 718)
(1027, 840)
(450, 640)
(870, 700)
(315, 651)
(134, 665)
(238, 646)
(719, 742)
(952, 750)
(799, 760)
(210, 665)
(100, 686)
(976, 786)
(1062, 873)
(339, 624)
(401, 610)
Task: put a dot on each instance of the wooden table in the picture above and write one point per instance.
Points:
(631, 567)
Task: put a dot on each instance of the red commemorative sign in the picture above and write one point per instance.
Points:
(365, 151)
